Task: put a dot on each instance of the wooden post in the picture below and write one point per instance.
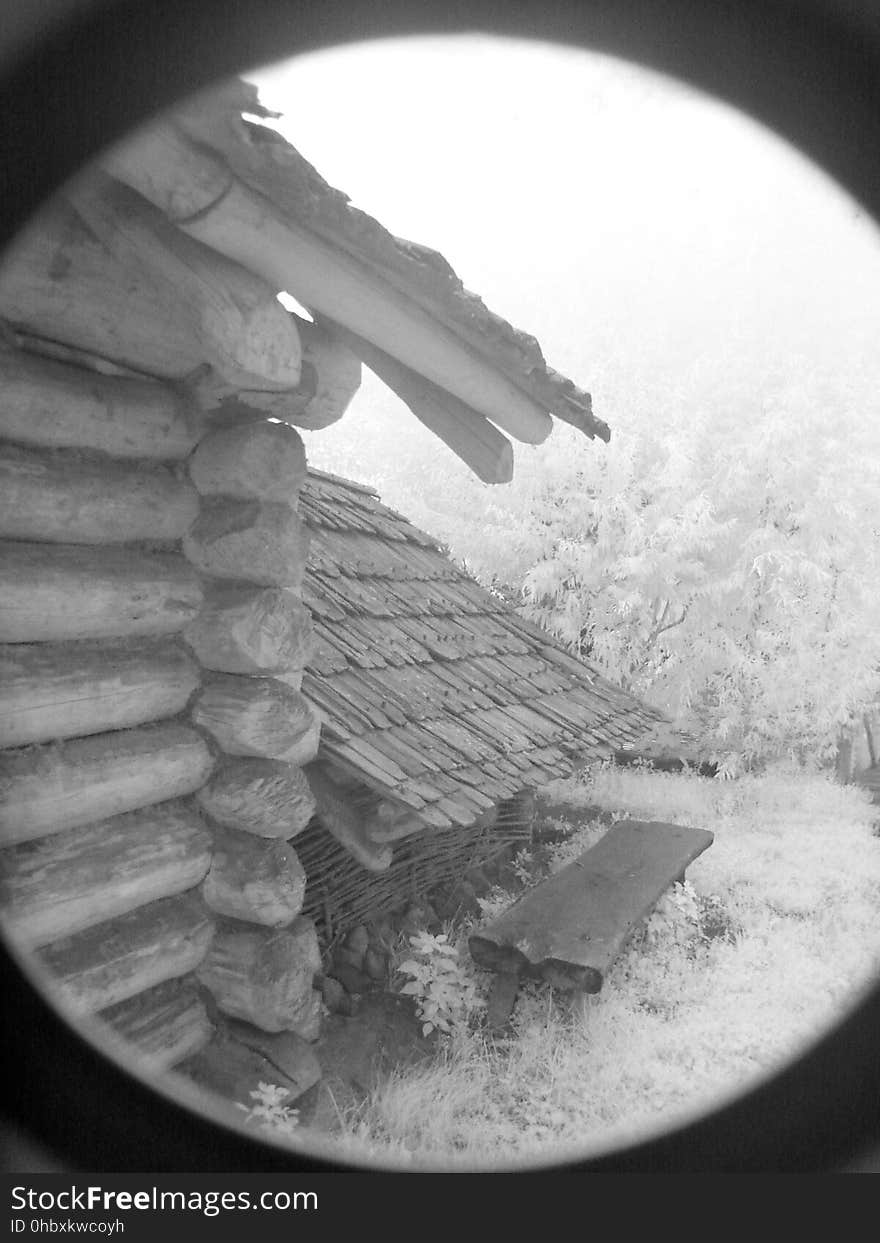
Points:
(254, 879)
(62, 497)
(264, 797)
(62, 884)
(59, 591)
(50, 690)
(264, 976)
(121, 957)
(49, 789)
(51, 404)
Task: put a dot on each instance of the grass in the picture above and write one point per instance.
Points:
(772, 938)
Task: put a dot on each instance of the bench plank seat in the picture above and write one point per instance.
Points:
(570, 927)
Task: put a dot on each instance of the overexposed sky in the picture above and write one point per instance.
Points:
(599, 206)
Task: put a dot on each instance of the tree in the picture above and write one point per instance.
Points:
(721, 557)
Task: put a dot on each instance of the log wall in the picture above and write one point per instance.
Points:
(103, 848)
(152, 632)
(253, 637)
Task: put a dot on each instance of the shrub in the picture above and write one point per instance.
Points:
(269, 1112)
(443, 982)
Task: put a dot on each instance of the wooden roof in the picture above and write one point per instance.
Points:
(431, 690)
(262, 159)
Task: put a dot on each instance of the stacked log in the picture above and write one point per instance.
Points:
(103, 848)
(167, 1024)
(253, 636)
(102, 845)
(119, 958)
(152, 631)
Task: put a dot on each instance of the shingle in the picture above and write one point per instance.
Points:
(432, 690)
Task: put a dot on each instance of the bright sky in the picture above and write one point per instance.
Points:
(596, 205)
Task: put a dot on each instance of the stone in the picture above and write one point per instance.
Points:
(418, 916)
(382, 932)
(464, 900)
(335, 997)
(358, 939)
(352, 980)
(375, 964)
(478, 880)
(351, 957)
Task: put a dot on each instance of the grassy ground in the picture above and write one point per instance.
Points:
(770, 940)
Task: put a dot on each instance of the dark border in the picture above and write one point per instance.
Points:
(76, 74)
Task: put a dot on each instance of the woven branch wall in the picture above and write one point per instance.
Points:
(340, 894)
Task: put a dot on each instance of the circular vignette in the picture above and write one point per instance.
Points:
(76, 75)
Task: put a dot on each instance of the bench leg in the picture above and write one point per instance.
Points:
(502, 997)
(580, 1004)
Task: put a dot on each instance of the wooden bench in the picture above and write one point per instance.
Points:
(569, 928)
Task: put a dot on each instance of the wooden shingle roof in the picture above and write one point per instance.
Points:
(431, 690)
(266, 162)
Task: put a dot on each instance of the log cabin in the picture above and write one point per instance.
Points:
(244, 705)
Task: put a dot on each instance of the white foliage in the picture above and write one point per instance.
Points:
(720, 557)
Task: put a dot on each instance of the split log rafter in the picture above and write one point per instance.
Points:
(241, 327)
(337, 372)
(467, 433)
(248, 228)
(343, 820)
